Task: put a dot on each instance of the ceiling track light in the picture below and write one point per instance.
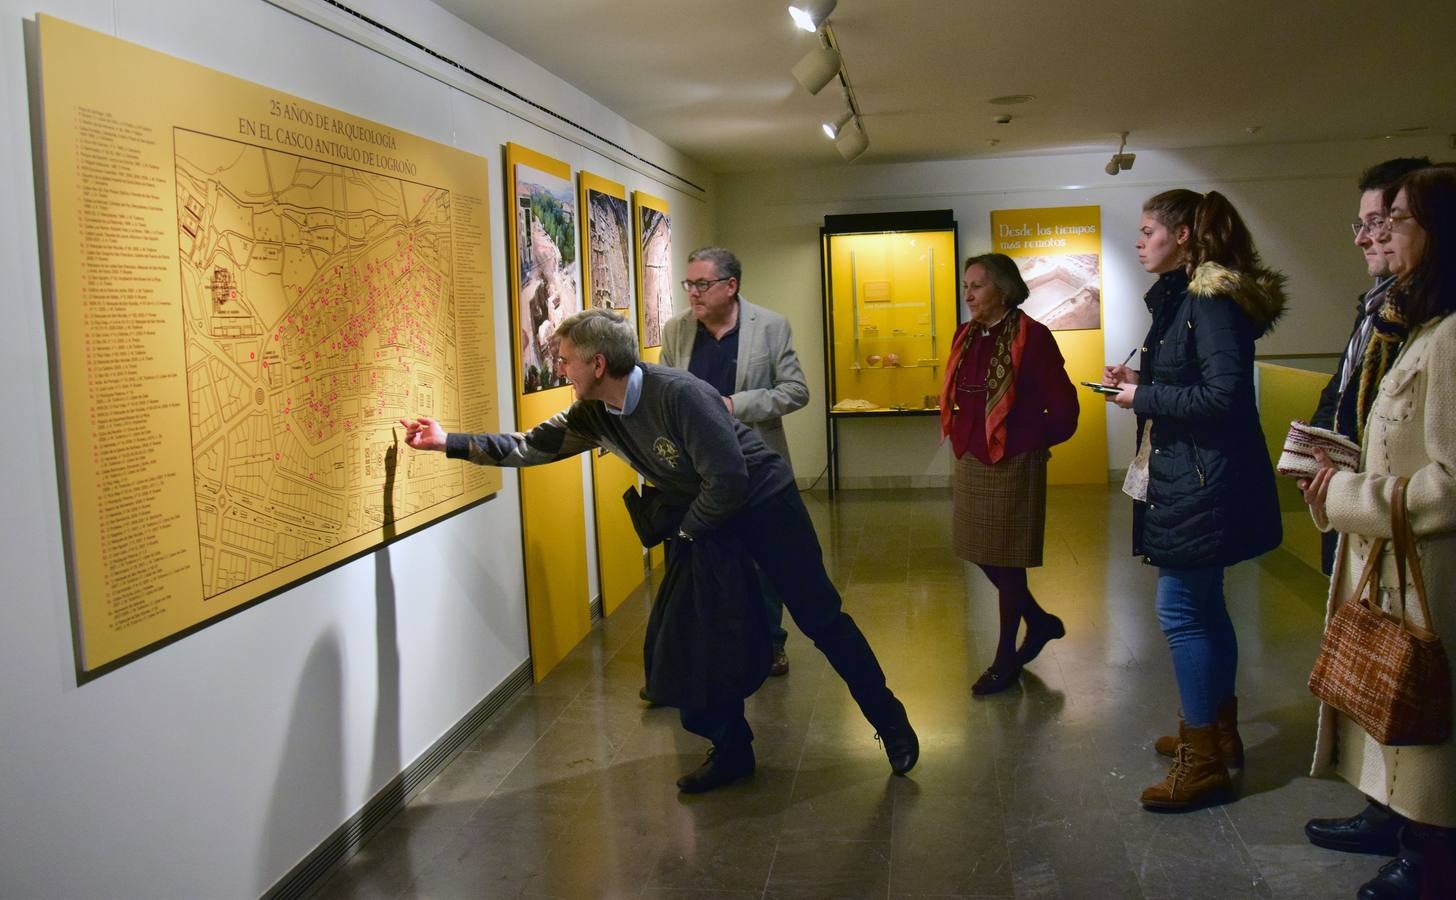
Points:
(810, 14)
(824, 64)
(832, 129)
(851, 142)
(817, 68)
(1120, 161)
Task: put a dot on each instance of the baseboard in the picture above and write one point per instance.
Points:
(893, 482)
(350, 836)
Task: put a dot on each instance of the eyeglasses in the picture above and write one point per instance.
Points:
(700, 285)
(1372, 225)
(1392, 221)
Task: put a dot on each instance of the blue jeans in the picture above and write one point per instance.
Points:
(1201, 636)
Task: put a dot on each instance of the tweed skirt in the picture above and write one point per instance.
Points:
(998, 513)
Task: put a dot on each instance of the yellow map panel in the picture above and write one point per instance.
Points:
(249, 291)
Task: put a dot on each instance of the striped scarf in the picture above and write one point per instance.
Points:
(1380, 352)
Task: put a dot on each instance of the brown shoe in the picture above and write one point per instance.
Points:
(780, 663)
(1230, 745)
(1198, 777)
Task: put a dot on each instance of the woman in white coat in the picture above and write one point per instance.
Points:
(1410, 431)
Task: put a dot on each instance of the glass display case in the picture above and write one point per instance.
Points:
(891, 306)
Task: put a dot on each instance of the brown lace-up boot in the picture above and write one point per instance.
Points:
(1198, 777)
(1230, 745)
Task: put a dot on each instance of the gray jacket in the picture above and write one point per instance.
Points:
(770, 382)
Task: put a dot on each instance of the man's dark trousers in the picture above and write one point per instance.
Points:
(780, 538)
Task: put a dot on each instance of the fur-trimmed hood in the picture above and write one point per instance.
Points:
(1260, 294)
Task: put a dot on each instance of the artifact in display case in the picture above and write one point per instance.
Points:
(891, 308)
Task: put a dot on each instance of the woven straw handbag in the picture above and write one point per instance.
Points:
(1389, 675)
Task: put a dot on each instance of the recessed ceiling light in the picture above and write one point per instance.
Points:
(1011, 99)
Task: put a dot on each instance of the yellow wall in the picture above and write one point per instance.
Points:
(1286, 394)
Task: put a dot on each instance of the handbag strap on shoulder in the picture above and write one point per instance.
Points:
(1404, 547)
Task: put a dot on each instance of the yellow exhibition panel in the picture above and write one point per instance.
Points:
(606, 245)
(249, 289)
(1059, 253)
(544, 289)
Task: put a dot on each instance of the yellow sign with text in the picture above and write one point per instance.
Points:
(1059, 253)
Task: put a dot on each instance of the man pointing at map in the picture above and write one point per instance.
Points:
(674, 429)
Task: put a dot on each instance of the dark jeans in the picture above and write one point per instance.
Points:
(722, 724)
(773, 604)
(780, 538)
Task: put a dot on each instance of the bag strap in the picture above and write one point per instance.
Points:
(1371, 577)
(1405, 552)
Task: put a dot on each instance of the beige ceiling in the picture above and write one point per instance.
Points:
(712, 78)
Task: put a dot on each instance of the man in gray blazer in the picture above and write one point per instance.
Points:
(747, 353)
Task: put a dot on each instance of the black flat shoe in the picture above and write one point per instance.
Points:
(646, 697)
(1399, 879)
(994, 680)
(1038, 638)
(1375, 830)
(719, 769)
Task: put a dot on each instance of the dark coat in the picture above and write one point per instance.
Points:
(1211, 495)
(707, 637)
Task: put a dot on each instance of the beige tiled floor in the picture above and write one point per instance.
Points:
(1033, 793)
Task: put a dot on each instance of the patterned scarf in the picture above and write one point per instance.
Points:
(1000, 380)
(1380, 353)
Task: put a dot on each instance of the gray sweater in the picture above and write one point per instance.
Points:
(679, 437)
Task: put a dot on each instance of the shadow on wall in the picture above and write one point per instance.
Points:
(386, 757)
(308, 796)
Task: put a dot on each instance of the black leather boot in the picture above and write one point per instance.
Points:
(1375, 830)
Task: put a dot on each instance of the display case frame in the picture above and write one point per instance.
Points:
(915, 393)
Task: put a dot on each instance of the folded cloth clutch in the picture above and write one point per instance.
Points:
(1297, 460)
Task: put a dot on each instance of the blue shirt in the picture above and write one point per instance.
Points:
(715, 360)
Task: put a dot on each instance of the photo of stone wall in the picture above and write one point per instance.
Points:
(1066, 290)
(656, 274)
(608, 251)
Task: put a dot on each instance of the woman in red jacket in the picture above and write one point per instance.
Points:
(1005, 401)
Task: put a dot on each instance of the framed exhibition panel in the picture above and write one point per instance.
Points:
(654, 270)
(1059, 252)
(248, 290)
(541, 229)
(606, 276)
(606, 242)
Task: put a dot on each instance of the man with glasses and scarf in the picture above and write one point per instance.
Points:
(1374, 343)
(746, 352)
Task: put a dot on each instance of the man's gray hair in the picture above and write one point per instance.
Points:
(722, 259)
(602, 331)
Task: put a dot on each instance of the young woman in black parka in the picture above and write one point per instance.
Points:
(1202, 476)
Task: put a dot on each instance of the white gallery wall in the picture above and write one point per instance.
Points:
(211, 767)
(1296, 200)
